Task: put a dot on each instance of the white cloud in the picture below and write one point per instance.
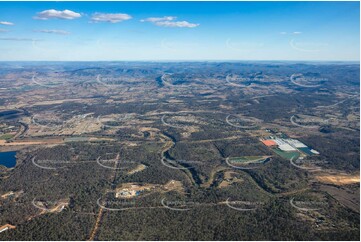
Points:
(19, 39)
(155, 19)
(168, 21)
(4, 30)
(293, 33)
(53, 31)
(180, 24)
(6, 23)
(52, 13)
(110, 17)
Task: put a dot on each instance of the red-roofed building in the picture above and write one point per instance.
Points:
(269, 142)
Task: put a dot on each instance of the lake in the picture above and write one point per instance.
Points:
(8, 159)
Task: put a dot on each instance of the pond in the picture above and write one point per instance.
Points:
(8, 159)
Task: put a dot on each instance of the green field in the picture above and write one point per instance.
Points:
(247, 159)
(6, 136)
(286, 155)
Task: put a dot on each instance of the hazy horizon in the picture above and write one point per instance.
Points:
(179, 31)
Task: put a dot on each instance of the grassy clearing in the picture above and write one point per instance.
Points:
(6, 136)
(247, 159)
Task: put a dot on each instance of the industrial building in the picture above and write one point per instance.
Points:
(288, 145)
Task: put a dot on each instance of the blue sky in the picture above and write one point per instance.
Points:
(96, 31)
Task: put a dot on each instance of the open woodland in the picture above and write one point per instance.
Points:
(82, 130)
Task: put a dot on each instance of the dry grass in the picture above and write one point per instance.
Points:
(341, 179)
